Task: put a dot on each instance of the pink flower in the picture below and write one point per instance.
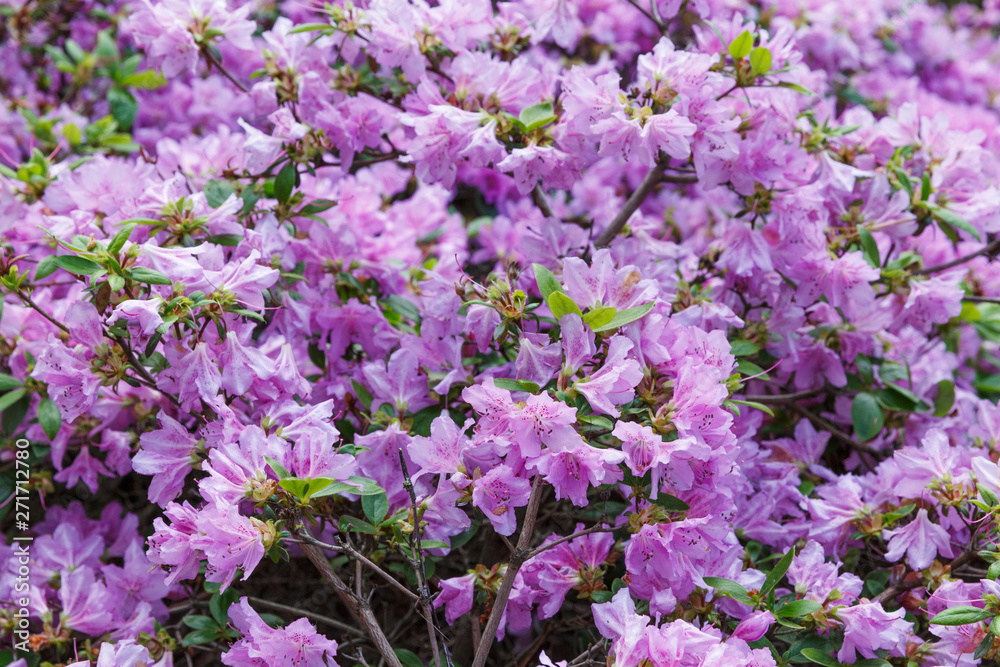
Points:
(297, 644)
(165, 454)
(920, 539)
(868, 627)
(497, 494)
(456, 596)
(753, 626)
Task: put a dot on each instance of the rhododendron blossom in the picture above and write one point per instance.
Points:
(546, 333)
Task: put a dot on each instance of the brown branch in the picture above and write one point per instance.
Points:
(989, 249)
(781, 399)
(517, 559)
(31, 304)
(632, 204)
(541, 202)
(333, 623)
(548, 545)
(349, 549)
(902, 586)
(417, 563)
(358, 606)
(836, 432)
(222, 70)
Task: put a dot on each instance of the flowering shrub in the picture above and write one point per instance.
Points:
(541, 332)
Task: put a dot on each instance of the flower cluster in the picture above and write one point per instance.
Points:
(538, 332)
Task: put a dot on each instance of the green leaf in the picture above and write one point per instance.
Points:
(200, 637)
(797, 608)
(375, 507)
(743, 348)
(599, 317)
(145, 80)
(760, 60)
(601, 597)
(989, 497)
(118, 240)
(729, 588)
(49, 417)
(278, 469)
(547, 281)
(984, 647)
(354, 524)
(225, 239)
(317, 206)
(11, 397)
(408, 658)
(671, 503)
(945, 398)
(516, 385)
(72, 134)
(961, 616)
(796, 87)
(197, 622)
(627, 316)
(536, 116)
(363, 395)
(284, 183)
(78, 265)
(925, 187)
(335, 488)
(777, 573)
(217, 192)
(899, 513)
(894, 397)
(819, 657)
(753, 404)
(219, 606)
(560, 304)
(150, 276)
(869, 248)
(46, 267)
(8, 382)
(741, 45)
(866, 416)
(944, 216)
(123, 108)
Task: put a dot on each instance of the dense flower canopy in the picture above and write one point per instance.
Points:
(535, 332)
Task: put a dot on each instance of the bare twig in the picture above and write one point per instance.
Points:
(655, 19)
(349, 549)
(333, 623)
(780, 399)
(989, 249)
(418, 566)
(902, 586)
(31, 304)
(516, 561)
(548, 545)
(836, 432)
(222, 70)
(541, 202)
(632, 204)
(358, 606)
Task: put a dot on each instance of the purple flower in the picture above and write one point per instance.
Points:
(920, 539)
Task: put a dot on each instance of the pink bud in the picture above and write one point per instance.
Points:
(753, 626)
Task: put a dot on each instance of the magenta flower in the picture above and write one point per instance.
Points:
(868, 627)
(497, 494)
(921, 541)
